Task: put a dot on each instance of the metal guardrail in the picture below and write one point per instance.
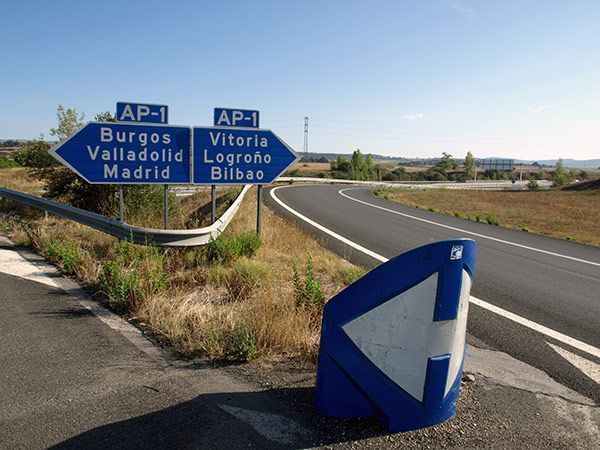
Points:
(121, 230)
(473, 185)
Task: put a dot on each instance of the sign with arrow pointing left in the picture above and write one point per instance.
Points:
(128, 153)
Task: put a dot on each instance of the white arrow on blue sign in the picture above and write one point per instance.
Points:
(392, 343)
(128, 153)
(225, 155)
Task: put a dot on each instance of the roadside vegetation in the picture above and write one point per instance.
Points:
(239, 297)
(446, 168)
(564, 213)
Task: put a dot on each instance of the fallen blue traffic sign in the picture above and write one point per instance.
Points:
(128, 153)
(236, 117)
(142, 112)
(224, 155)
(393, 342)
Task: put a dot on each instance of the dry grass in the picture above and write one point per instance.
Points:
(243, 309)
(18, 179)
(204, 317)
(562, 214)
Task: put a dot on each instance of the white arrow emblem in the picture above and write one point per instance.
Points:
(399, 336)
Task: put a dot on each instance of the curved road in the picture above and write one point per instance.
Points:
(547, 283)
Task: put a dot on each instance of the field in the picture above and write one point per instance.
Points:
(239, 297)
(573, 215)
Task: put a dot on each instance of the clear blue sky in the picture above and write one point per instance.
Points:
(407, 78)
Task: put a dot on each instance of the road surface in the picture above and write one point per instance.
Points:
(547, 283)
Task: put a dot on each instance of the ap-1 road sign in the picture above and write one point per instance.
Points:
(142, 112)
(225, 155)
(230, 117)
(393, 342)
(128, 153)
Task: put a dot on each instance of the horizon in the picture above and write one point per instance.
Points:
(505, 80)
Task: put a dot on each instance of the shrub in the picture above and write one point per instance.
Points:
(8, 163)
(525, 229)
(352, 274)
(477, 218)
(432, 209)
(244, 344)
(226, 248)
(35, 154)
(119, 285)
(533, 185)
(491, 219)
(66, 254)
(310, 292)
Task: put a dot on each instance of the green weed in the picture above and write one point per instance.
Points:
(66, 254)
(491, 219)
(226, 248)
(309, 292)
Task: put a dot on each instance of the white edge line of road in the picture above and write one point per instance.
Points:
(587, 348)
(341, 192)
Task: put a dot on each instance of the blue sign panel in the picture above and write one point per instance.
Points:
(228, 117)
(142, 112)
(128, 153)
(224, 155)
(393, 342)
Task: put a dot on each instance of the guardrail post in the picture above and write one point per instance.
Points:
(259, 209)
(213, 201)
(166, 202)
(121, 204)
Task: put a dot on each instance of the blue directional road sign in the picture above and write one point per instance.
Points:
(128, 153)
(225, 155)
(142, 112)
(236, 117)
(393, 342)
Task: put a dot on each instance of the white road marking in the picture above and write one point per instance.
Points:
(587, 348)
(11, 263)
(271, 426)
(589, 368)
(431, 222)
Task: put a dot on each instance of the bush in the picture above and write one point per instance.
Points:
(226, 248)
(117, 284)
(491, 219)
(533, 185)
(35, 154)
(310, 292)
(352, 274)
(244, 345)
(8, 163)
(66, 254)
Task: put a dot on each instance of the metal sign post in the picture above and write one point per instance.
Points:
(166, 202)
(121, 204)
(213, 203)
(259, 209)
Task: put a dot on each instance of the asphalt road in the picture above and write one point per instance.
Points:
(69, 380)
(562, 293)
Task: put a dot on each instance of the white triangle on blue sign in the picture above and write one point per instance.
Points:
(399, 336)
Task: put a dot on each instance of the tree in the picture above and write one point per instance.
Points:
(561, 177)
(105, 116)
(470, 165)
(446, 163)
(69, 121)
